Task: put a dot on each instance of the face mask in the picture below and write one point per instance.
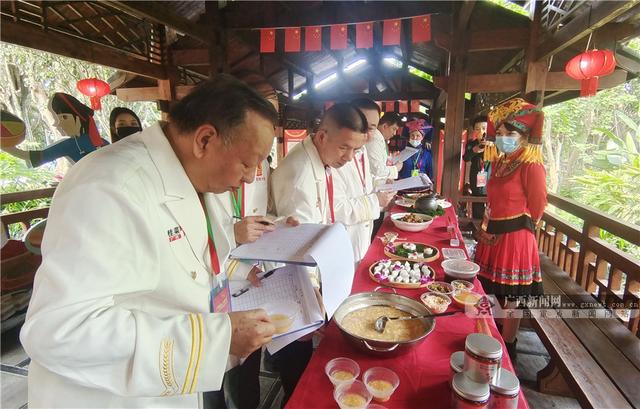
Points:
(507, 144)
(415, 143)
(125, 131)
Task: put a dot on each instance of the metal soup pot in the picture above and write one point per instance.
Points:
(383, 348)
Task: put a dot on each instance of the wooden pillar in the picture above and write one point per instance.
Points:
(536, 71)
(218, 61)
(454, 115)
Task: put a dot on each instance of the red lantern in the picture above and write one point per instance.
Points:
(588, 67)
(94, 89)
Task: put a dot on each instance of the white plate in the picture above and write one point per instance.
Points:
(402, 202)
(443, 203)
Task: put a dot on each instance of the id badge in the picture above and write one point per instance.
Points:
(415, 172)
(221, 296)
(481, 180)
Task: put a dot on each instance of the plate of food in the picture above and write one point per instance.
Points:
(413, 222)
(443, 203)
(411, 251)
(399, 274)
(404, 202)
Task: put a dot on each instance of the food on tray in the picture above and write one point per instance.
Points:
(435, 302)
(462, 285)
(412, 218)
(399, 272)
(466, 298)
(361, 323)
(433, 213)
(411, 250)
(440, 287)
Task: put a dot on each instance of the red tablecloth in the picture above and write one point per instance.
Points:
(424, 371)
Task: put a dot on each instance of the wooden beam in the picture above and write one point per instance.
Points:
(555, 81)
(161, 14)
(580, 26)
(258, 14)
(426, 96)
(464, 13)
(489, 40)
(62, 44)
(190, 57)
(153, 93)
(629, 64)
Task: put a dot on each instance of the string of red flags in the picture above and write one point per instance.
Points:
(339, 35)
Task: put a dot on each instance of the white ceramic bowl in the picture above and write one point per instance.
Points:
(412, 227)
(460, 269)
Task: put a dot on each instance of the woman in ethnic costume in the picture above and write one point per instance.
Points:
(507, 251)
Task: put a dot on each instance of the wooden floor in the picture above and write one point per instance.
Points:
(532, 357)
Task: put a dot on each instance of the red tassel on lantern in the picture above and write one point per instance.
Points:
(94, 89)
(588, 67)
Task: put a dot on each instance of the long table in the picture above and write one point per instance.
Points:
(424, 371)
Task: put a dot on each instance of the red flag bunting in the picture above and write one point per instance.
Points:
(403, 107)
(421, 28)
(415, 105)
(391, 32)
(339, 37)
(267, 40)
(389, 106)
(313, 38)
(292, 39)
(364, 35)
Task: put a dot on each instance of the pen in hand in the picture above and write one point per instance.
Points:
(247, 288)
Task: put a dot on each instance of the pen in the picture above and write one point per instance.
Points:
(262, 222)
(247, 288)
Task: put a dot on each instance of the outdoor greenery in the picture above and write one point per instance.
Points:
(27, 80)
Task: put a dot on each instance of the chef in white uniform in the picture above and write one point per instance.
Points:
(356, 204)
(121, 313)
(303, 186)
(378, 149)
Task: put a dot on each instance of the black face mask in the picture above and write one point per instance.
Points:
(125, 131)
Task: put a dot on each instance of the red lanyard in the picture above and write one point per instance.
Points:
(215, 263)
(361, 173)
(329, 178)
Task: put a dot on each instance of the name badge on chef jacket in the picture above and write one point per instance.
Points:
(415, 172)
(221, 294)
(481, 180)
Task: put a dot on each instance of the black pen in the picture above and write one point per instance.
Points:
(247, 288)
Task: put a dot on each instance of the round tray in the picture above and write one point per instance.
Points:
(417, 260)
(399, 285)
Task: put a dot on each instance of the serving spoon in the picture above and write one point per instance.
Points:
(381, 322)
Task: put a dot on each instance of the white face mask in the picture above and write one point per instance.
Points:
(415, 143)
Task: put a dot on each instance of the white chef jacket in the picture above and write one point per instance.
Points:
(254, 203)
(356, 206)
(120, 310)
(378, 153)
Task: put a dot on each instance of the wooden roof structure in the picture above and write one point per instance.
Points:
(163, 49)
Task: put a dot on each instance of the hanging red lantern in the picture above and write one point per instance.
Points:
(94, 89)
(588, 67)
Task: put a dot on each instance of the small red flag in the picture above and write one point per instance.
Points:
(292, 39)
(328, 105)
(421, 28)
(339, 37)
(391, 32)
(403, 107)
(364, 35)
(389, 106)
(267, 40)
(415, 105)
(313, 38)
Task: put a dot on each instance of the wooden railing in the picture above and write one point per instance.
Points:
(610, 274)
(25, 218)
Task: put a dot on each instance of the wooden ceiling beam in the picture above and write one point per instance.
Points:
(489, 40)
(190, 57)
(580, 26)
(376, 96)
(258, 14)
(33, 37)
(464, 14)
(555, 81)
(159, 13)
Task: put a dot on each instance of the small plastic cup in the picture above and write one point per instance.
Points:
(342, 370)
(282, 315)
(381, 383)
(376, 406)
(352, 395)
